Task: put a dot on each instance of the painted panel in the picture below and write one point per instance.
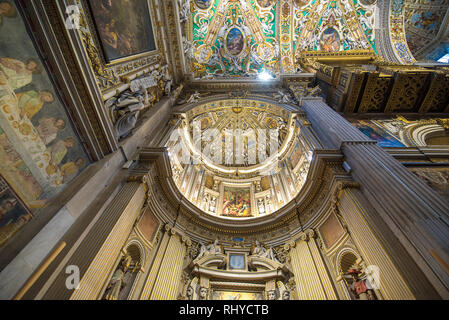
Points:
(233, 295)
(383, 138)
(123, 27)
(236, 202)
(331, 231)
(148, 225)
(39, 151)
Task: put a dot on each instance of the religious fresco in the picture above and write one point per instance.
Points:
(123, 26)
(425, 20)
(423, 24)
(331, 26)
(39, 151)
(330, 40)
(234, 295)
(383, 138)
(436, 178)
(231, 38)
(13, 214)
(235, 41)
(304, 25)
(236, 202)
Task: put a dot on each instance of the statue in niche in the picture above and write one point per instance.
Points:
(360, 286)
(213, 248)
(261, 251)
(117, 282)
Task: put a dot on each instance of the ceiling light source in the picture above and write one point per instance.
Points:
(265, 76)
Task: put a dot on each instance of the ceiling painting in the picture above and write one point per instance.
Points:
(425, 25)
(244, 38)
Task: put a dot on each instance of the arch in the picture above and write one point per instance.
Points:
(390, 32)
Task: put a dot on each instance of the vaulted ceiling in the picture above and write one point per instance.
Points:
(244, 38)
(426, 28)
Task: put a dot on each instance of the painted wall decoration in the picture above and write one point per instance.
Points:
(266, 3)
(295, 155)
(423, 22)
(234, 295)
(203, 4)
(375, 132)
(148, 225)
(39, 151)
(330, 40)
(332, 26)
(123, 26)
(436, 178)
(331, 231)
(232, 39)
(236, 202)
(235, 41)
(301, 3)
(13, 213)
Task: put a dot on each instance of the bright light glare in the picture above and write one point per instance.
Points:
(265, 76)
(444, 59)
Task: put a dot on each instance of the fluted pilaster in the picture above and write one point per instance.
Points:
(311, 276)
(405, 205)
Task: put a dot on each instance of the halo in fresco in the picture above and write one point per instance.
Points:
(266, 3)
(330, 40)
(235, 41)
(301, 3)
(203, 4)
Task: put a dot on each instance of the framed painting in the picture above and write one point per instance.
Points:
(124, 28)
(236, 202)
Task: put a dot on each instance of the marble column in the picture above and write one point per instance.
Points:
(311, 276)
(406, 207)
(165, 273)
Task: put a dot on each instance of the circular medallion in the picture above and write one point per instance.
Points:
(203, 53)
(265, 51)
(235, 41)
(330, 40)
(203, 4)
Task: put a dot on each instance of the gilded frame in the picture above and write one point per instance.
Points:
(97, 41)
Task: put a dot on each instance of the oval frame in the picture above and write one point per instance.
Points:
(226, 41)
(210, 5)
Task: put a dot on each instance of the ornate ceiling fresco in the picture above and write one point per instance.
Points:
(426, 26)
(243, 38)
(238, 158)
